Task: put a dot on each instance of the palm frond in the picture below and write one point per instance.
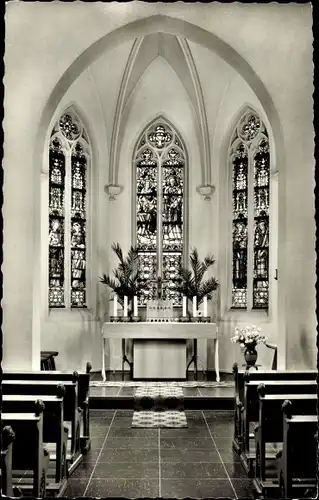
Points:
(192, 279)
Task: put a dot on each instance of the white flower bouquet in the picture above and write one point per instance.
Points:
(248, 337)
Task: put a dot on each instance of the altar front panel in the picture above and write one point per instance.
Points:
(159, 359)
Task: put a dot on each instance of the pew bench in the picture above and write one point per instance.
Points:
(242, 376)
(55, 434)
(251, 400)
(70, 408)
(28, 452)
(8, 437)
(83, 380)
(270, 430)
(297, 463)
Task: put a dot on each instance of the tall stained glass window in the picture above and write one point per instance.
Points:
(159, 168)
(250, 166)
(69, 156)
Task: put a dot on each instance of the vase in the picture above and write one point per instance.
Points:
(251, 356)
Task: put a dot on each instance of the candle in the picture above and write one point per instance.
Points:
(184, 306)
(135, 305)
(125, 306)
(115, 306)
(205, 306)
(194, 306)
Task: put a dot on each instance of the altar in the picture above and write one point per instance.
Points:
(157, 344)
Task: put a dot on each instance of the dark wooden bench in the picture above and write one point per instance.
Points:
(8, 437)
(28, 452)
(251, 399)
(70, 407)
(270, 430)
(55, 434)
(83, 393)
(242, 376)
(48, 360)
(297, 461)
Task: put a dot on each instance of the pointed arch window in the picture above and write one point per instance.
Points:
(69, 158)
(159, 171)
(250, 167)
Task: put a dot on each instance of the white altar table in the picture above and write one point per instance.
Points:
(160, 331)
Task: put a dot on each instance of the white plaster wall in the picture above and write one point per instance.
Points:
(76, 333)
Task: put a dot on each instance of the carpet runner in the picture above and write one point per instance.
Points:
(159, 405)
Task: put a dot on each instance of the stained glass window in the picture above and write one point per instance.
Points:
(69, 156)
(159, 165)
(250, 166)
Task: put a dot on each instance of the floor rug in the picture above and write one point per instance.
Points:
(111, 383)
(173, 419)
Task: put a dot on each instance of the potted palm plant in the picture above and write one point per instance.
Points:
(125, 281)
(192, 282)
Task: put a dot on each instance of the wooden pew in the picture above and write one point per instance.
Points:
(251, 399)
(270, 430)
(70, 407)
(28, 452)
(297, 463)
(240, 376)
(83, 380)
(54, 432)
(8, 437)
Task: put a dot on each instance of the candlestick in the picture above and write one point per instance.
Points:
(115, 306)
(135, 306)
(205, 306)
(125, 306)
(194, 306)
(184, 306)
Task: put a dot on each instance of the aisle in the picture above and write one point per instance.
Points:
(194, 462)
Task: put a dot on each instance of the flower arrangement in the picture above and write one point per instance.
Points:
(248, 337)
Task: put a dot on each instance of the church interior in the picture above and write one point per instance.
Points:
(159, 302)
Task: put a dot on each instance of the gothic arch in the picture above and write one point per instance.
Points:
(173, 26)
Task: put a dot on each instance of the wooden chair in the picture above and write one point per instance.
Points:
(48, 360)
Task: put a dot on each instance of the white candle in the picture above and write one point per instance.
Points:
(194, 306)
(115, 306)
(205, 306)
(184, 306)
(135, 305)
(125, 306)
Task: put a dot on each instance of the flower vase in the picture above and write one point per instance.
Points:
(251, 356)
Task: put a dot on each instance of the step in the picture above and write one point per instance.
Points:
(190, 403)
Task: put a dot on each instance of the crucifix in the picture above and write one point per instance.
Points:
(159, 288)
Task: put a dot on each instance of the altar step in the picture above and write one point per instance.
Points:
(190, 403)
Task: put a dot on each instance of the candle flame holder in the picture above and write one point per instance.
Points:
(115, 319)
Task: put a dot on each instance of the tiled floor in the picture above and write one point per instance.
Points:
(194, 462)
